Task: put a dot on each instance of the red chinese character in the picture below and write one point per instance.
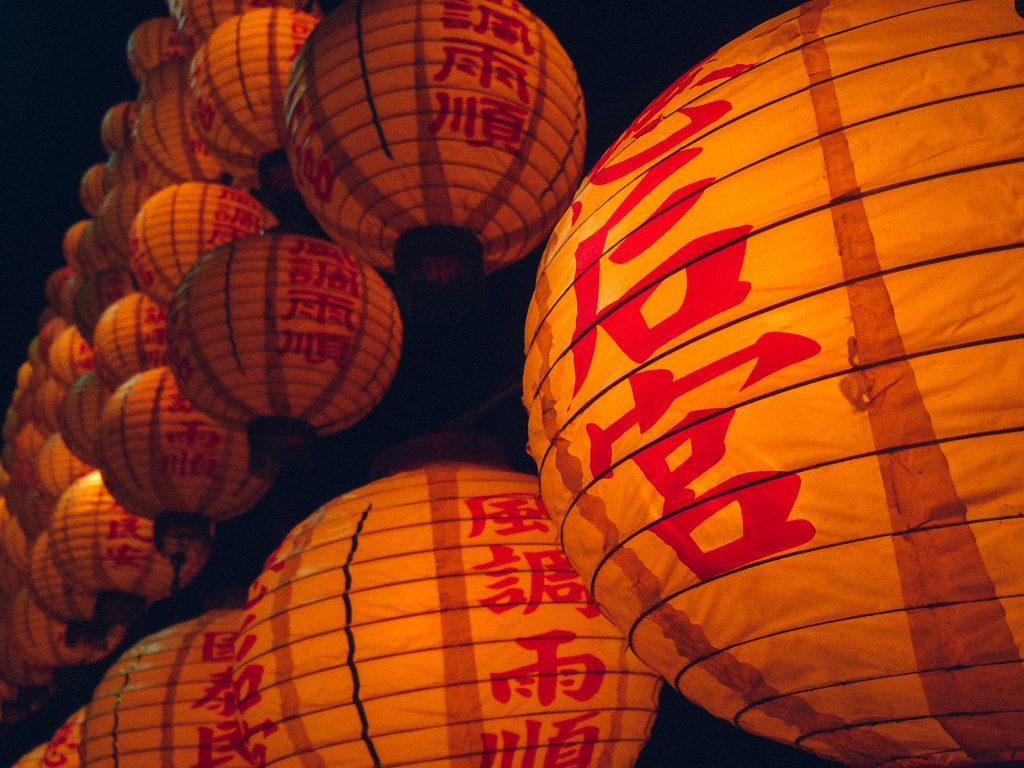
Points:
(320, 307)
(572, 746)
(226, 741)
(509, 515)
(126, 527)
(579, 677)
(486, 64)
(219, 696)
(510, 30)
(320, 274)
(126, 556)
(178, 403)
(316, 347)
(218, 646)
(551, 578)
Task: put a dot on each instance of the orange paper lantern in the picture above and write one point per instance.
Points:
(773, 382)
(180, 223)
(62, 749)
(153, 42)
(79, 416)
(14, 552)
(58, 467)
(33, 758)
(284, 327)
(59, 596)
(238, 79)
(97, 292)
(130, 337)
(58, 291)
(46, 400)
(430, 618)
(90, 188)
(116, 126)
(70, 242)
(115, 214)
(70, 355)
(123, 166)
(199, 18)
(92, 253)
(411, 115)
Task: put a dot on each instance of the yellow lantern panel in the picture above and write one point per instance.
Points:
(153, 42)
(79, 416)
(180, 223)
(58, 467)
(97, 292)
(408, 114)
(116, 126)
(90, 188)
(284, 326)
(159, 453)
(431, 619)
(115, 214)
(100, 546)
(59, 596)
(130, 337)
(238, 79)
(763, 373)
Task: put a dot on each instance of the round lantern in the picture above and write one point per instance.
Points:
(238, 79)
(90, 188)
(181, 222)
(103, 548)
(58, 291)
(59, 596)
(115, 214)
(72, 238)
(431, 619)
(70, 355)
(58, 467)
(14, 552)
(123, 165)
(199, 18)
(169, 700)
(438, 134)
(773, 382)
(130, 337)
(79, 416)
(93, 254)
(153, 42)
(48, 332)
(116, 126)
(167, 461)
(164, 138)
(97, 292)
(46, 399)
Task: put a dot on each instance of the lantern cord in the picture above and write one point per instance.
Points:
(467, 420)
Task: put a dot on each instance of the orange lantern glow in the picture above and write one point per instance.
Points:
(58, 467)
(59, 596)
(32, 507)
(238, 79)
(168, 700)
(70, 242)
(58, 291)
(5, 479)
(773, 382)
(392, 135)
(62, 749)
(46, 400)
(70, 355)
(79, 416)
(431, 619)
(165, 460)
(116, 126)
(199, 18)
(130, 337)
(115, 214)
(166, 143)
(153, 42)
(48, 332)
(92, 253)
(33, 758)
(284, 328)
(97, 292)
(14, 552)
(90, 188)
(123, 166)
(102, 548)
(181, 222)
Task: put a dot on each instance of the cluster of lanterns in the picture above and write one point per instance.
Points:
(787, 479)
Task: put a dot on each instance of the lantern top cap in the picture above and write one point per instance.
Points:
(438, 447)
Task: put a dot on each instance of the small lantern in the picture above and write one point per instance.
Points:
(92, 253)
(97, 292)
(46, 400)
(59, 293)
(70, 355)
(79, 416)
(90, 188)
(56, 594)
(116, 127)
(58, 467)
(70, 242)
(14, 552)
(199, 18)
(287, 331)
(430, 618)
(123, 166)
(130, 337)
(115, 214)
(238, 79)
(181, 222)
(153, 42)
(773, 374)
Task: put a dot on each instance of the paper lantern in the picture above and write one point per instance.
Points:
(773, 382)
(62, 749)
(153, 42)
(199, 18)
(130, 337)
(115, 214)
(106, 550)
(58, 467)
(164, 139)
(79, 416)
(404, 117)
(180, 223)
(97, 292)
(90, 188)
(92, 253)
(32, 507)
(238, 79)
(14, 552)
(169, 700)
(46, 400)
(431, 619)
(123, 166)
(58, 291)
(33, 758)
(70, 355)
(56, 594)
(284, 327)
(70, 241)
(48, 332)
(25, 454)
(162, 456)
(116, 126)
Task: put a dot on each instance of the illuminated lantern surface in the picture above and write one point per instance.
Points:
(48, 332)
(97, 292)
(122, 167)
(199, 18)
(79, 416)
(180, 223)
(72, 238)
(59, 596)
(57, 291)
(32, 507)
(101, 547)
(431, 619)
(153, 42)
(773, 379)
(403, 115)
(58, 467)
(93, 254)
(33, 758)
(238, 80)
(62, 749)
(43, 640)
(287, 327)
(115, 214)
(159, 453)
(46, 399)
(116, 126)
(90, 188)
(169, 700)
(14, 551)
(130, 337)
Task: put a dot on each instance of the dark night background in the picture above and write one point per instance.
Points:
(65, 67)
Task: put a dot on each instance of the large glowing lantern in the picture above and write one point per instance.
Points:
(238, 80)
(432, 619)
(130, 337)
(169, 700)
(285, 328)
(116, 126)
(180, 223)
(409, 116)
(773, 378)
(153, 42)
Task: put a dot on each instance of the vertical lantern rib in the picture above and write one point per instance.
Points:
(366, 81)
